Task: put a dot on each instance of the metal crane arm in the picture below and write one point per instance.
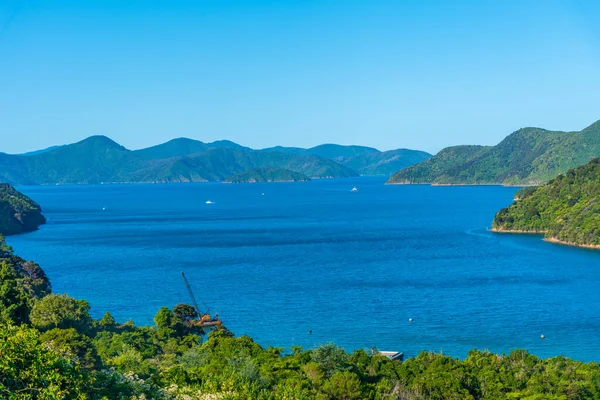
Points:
(189, 289)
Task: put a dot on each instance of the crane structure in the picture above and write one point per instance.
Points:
(203, 318)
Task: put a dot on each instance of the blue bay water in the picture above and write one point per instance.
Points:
(351, 267)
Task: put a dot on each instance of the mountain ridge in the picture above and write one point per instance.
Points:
(528, 156)
(99, 159)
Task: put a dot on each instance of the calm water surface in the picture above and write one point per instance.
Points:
(351, 267)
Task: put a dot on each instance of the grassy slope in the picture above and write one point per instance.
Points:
(566, 209)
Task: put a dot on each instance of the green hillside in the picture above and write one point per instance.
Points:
(364, 160)
(173, 148)
(566, 209)
(429, 170)
(267, 175)
(98, 159)
(529, 156)
(219, 164)
(18, 213)
(184, 147)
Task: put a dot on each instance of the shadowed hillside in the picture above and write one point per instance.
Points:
(18, 213)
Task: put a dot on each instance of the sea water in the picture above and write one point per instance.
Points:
(311, 263)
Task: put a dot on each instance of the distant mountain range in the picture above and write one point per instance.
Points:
(529, 156)
(364, 160)
(99, 159)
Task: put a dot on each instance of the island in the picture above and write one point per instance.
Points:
(258, 175)
(18, 213)
(566, 210)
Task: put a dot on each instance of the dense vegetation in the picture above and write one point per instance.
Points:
(184, 147)
(267, 175)
(566, 209)
(51, 348)
(365, 160)
(18, 213)
(529, 156)
(428, 171)
(98, 159)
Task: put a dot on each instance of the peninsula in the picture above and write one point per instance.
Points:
(18, 213)
(566, 210)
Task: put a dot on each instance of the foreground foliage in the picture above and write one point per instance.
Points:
(567, 208)
(50, 348)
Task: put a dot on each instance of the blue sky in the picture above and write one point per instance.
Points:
(388, 74)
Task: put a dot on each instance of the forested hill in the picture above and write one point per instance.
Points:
(428, 171)
(99, 159)
(567, 209)
(258, 175)
(18, 213)
(529, 156)
(365, 160)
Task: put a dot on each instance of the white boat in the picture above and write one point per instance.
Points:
(209, 202)
(354, 189)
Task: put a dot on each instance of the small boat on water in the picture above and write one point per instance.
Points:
(354, 189)
(209, 202)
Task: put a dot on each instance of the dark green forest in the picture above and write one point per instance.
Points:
(566, 209)
(18, 213)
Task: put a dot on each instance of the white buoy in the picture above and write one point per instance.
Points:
(410, 320)
(543, 336)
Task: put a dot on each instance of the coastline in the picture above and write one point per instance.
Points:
(455, 184)
(526, 232)
(571, 244)
(547, 239)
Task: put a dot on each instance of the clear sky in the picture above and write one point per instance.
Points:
(388, 74)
